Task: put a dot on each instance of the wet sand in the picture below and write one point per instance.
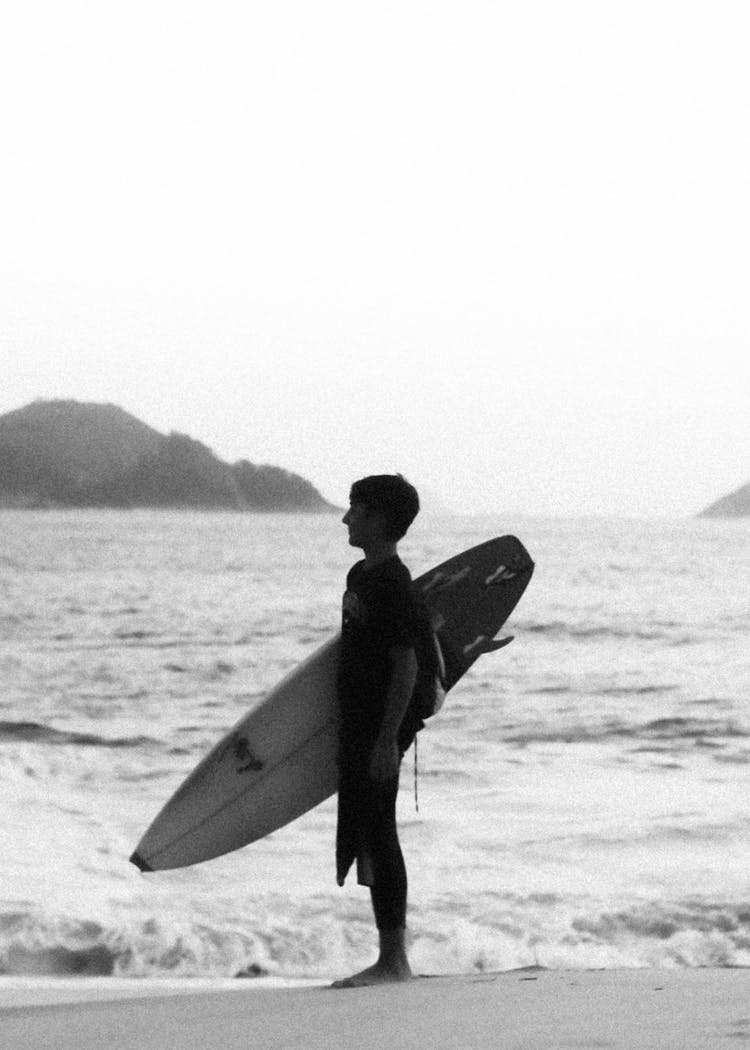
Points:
(517, 1010)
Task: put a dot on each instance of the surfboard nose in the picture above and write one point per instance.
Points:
(139, 862)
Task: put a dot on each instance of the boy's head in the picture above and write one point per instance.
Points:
(390, 495)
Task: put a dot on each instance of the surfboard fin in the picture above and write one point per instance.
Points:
(499, 644)
(483, 644)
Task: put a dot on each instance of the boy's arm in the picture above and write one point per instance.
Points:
(385, 757)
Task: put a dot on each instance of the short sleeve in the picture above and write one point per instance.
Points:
(397, 622)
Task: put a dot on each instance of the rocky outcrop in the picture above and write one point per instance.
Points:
(73, 454)
(734, 505)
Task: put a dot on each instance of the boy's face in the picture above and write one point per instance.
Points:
(365, 526)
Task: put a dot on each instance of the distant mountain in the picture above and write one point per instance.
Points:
(734, 505)
(73, 454)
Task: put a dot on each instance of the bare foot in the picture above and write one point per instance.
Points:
(380, 973)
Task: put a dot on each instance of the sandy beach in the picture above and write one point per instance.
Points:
(516, 1010)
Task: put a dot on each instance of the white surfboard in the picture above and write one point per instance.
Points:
(280, 759)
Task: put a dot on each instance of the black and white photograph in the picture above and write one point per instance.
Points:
(374, 524)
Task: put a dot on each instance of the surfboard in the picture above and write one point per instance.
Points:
(279, 760)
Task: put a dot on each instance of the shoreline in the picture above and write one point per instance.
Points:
(31, 991)
(530, 1009)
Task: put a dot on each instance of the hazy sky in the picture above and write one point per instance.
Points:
(501, 247)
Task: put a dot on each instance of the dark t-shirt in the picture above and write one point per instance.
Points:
(378, 615)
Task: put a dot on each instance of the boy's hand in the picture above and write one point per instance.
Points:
(384, 761)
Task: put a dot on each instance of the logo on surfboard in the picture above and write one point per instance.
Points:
(246, 761)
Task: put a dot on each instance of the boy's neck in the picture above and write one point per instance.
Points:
(378, 552)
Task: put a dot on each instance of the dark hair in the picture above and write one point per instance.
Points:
(390, 495)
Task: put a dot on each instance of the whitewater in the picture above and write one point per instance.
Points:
(583, 795)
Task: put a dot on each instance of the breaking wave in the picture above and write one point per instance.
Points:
(502, 933)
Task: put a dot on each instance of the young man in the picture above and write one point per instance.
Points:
(377, 672)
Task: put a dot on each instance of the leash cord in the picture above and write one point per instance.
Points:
(416, 791)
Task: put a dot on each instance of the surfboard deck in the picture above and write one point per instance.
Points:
(280, 759)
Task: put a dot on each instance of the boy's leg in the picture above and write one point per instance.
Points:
(389, 888)
(388, 894)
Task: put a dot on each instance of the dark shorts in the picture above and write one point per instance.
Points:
(367, 833)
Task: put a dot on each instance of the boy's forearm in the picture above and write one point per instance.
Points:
(399, 693)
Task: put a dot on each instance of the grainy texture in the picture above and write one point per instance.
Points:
(516, 1010)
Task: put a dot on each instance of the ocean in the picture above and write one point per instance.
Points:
(584, 796)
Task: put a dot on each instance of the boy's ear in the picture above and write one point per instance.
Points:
(383, 523)
(377, 517)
